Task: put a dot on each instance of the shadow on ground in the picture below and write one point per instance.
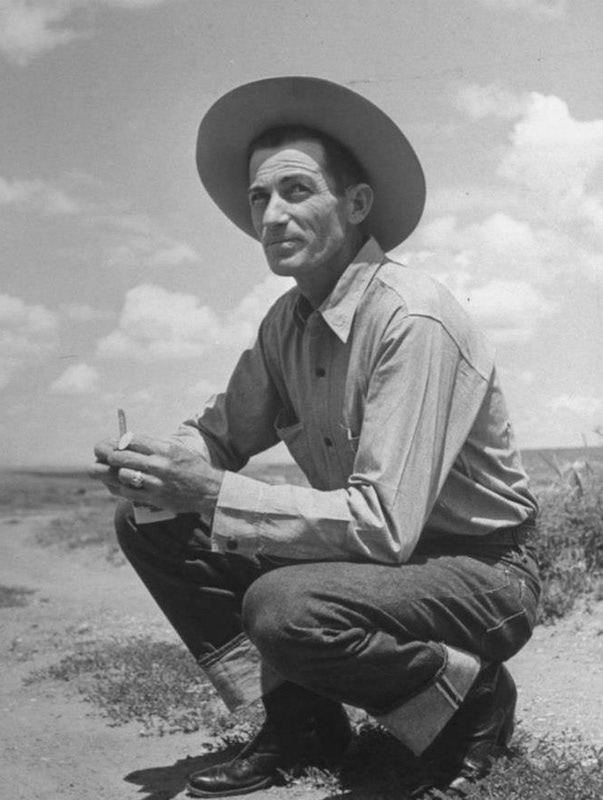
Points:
(163, 783)
(375, 767)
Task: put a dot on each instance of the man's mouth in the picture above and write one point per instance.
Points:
(280, 242)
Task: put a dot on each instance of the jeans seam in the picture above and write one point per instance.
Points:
(504, 621)
(217, 655)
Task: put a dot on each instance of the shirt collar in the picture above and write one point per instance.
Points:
(339, 308)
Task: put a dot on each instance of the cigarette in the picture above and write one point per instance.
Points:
(121, 421)
(125, 436)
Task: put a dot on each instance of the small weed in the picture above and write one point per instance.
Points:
(156, 684)
(532, 770)
(569, 543)
(14, 596)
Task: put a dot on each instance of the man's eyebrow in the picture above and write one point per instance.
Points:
(288, 176)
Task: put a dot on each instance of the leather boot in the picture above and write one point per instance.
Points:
(480, 730)
(300, 728)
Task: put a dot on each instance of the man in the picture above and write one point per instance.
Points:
(400, 580)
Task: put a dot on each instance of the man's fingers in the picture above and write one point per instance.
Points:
(139, 486)
(131, 460)
(143, 453)
(104, 473)
(148, 445)
(127, 483)
(108, 475)
(104, 448)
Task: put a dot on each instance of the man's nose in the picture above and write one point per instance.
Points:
(275, 212)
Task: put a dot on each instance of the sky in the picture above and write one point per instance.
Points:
(121, 285)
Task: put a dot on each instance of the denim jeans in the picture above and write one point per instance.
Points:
(402, 642)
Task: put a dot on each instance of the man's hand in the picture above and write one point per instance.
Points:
(173, 477)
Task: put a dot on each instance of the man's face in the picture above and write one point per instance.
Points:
(297, 214)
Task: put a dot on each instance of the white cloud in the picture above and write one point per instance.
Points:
(544, 8)
(493, 100)
(554, 156)
(498, 246)
(550, 162)
(580, 405)
(508, 310)
(138, 242)
(37, 197)
(26, 333)
(128, 240)
(77, 379)
(149, 251)
(498, 269)
(30, 28)
(551, 230)
(470, 197)
(592, 208)
(158, 324)
(82, 312)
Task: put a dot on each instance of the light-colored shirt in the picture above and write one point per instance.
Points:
(388, 399)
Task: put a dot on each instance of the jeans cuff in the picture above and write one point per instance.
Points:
(418, 721)
(238, 673)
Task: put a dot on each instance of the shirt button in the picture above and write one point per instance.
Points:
(328, 441)
(231, 543)
(320, 372)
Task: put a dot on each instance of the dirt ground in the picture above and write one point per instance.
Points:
(53, 745)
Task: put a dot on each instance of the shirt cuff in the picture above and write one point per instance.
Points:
(238, 516)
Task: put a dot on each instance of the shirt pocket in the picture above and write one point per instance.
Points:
(294, 436)
(352, 440)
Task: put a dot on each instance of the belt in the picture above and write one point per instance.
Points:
(516, 536)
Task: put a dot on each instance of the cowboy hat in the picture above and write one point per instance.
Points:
(389, 162)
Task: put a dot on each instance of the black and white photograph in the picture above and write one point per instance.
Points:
(301, 399)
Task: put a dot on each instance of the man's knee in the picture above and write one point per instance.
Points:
(277, 610)
(295, 625)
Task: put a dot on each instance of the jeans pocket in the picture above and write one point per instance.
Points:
(513, 610)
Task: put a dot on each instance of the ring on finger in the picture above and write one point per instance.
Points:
(137, 480)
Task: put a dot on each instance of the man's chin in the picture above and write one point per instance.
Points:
(284, 266)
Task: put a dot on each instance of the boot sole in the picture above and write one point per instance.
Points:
(265, 784)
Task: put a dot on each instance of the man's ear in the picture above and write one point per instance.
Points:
(360, 201)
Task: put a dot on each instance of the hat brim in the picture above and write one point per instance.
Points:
(238, 117)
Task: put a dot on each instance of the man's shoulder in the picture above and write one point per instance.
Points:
(403, 293)
(414, 291)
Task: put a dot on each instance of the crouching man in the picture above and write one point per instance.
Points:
(402, 578)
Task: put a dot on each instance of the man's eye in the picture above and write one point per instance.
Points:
(298, 190)
(256, 199)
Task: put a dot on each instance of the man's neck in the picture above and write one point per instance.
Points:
(318, 286)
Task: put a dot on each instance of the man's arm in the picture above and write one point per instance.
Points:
(421, 401)
(184, 473)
